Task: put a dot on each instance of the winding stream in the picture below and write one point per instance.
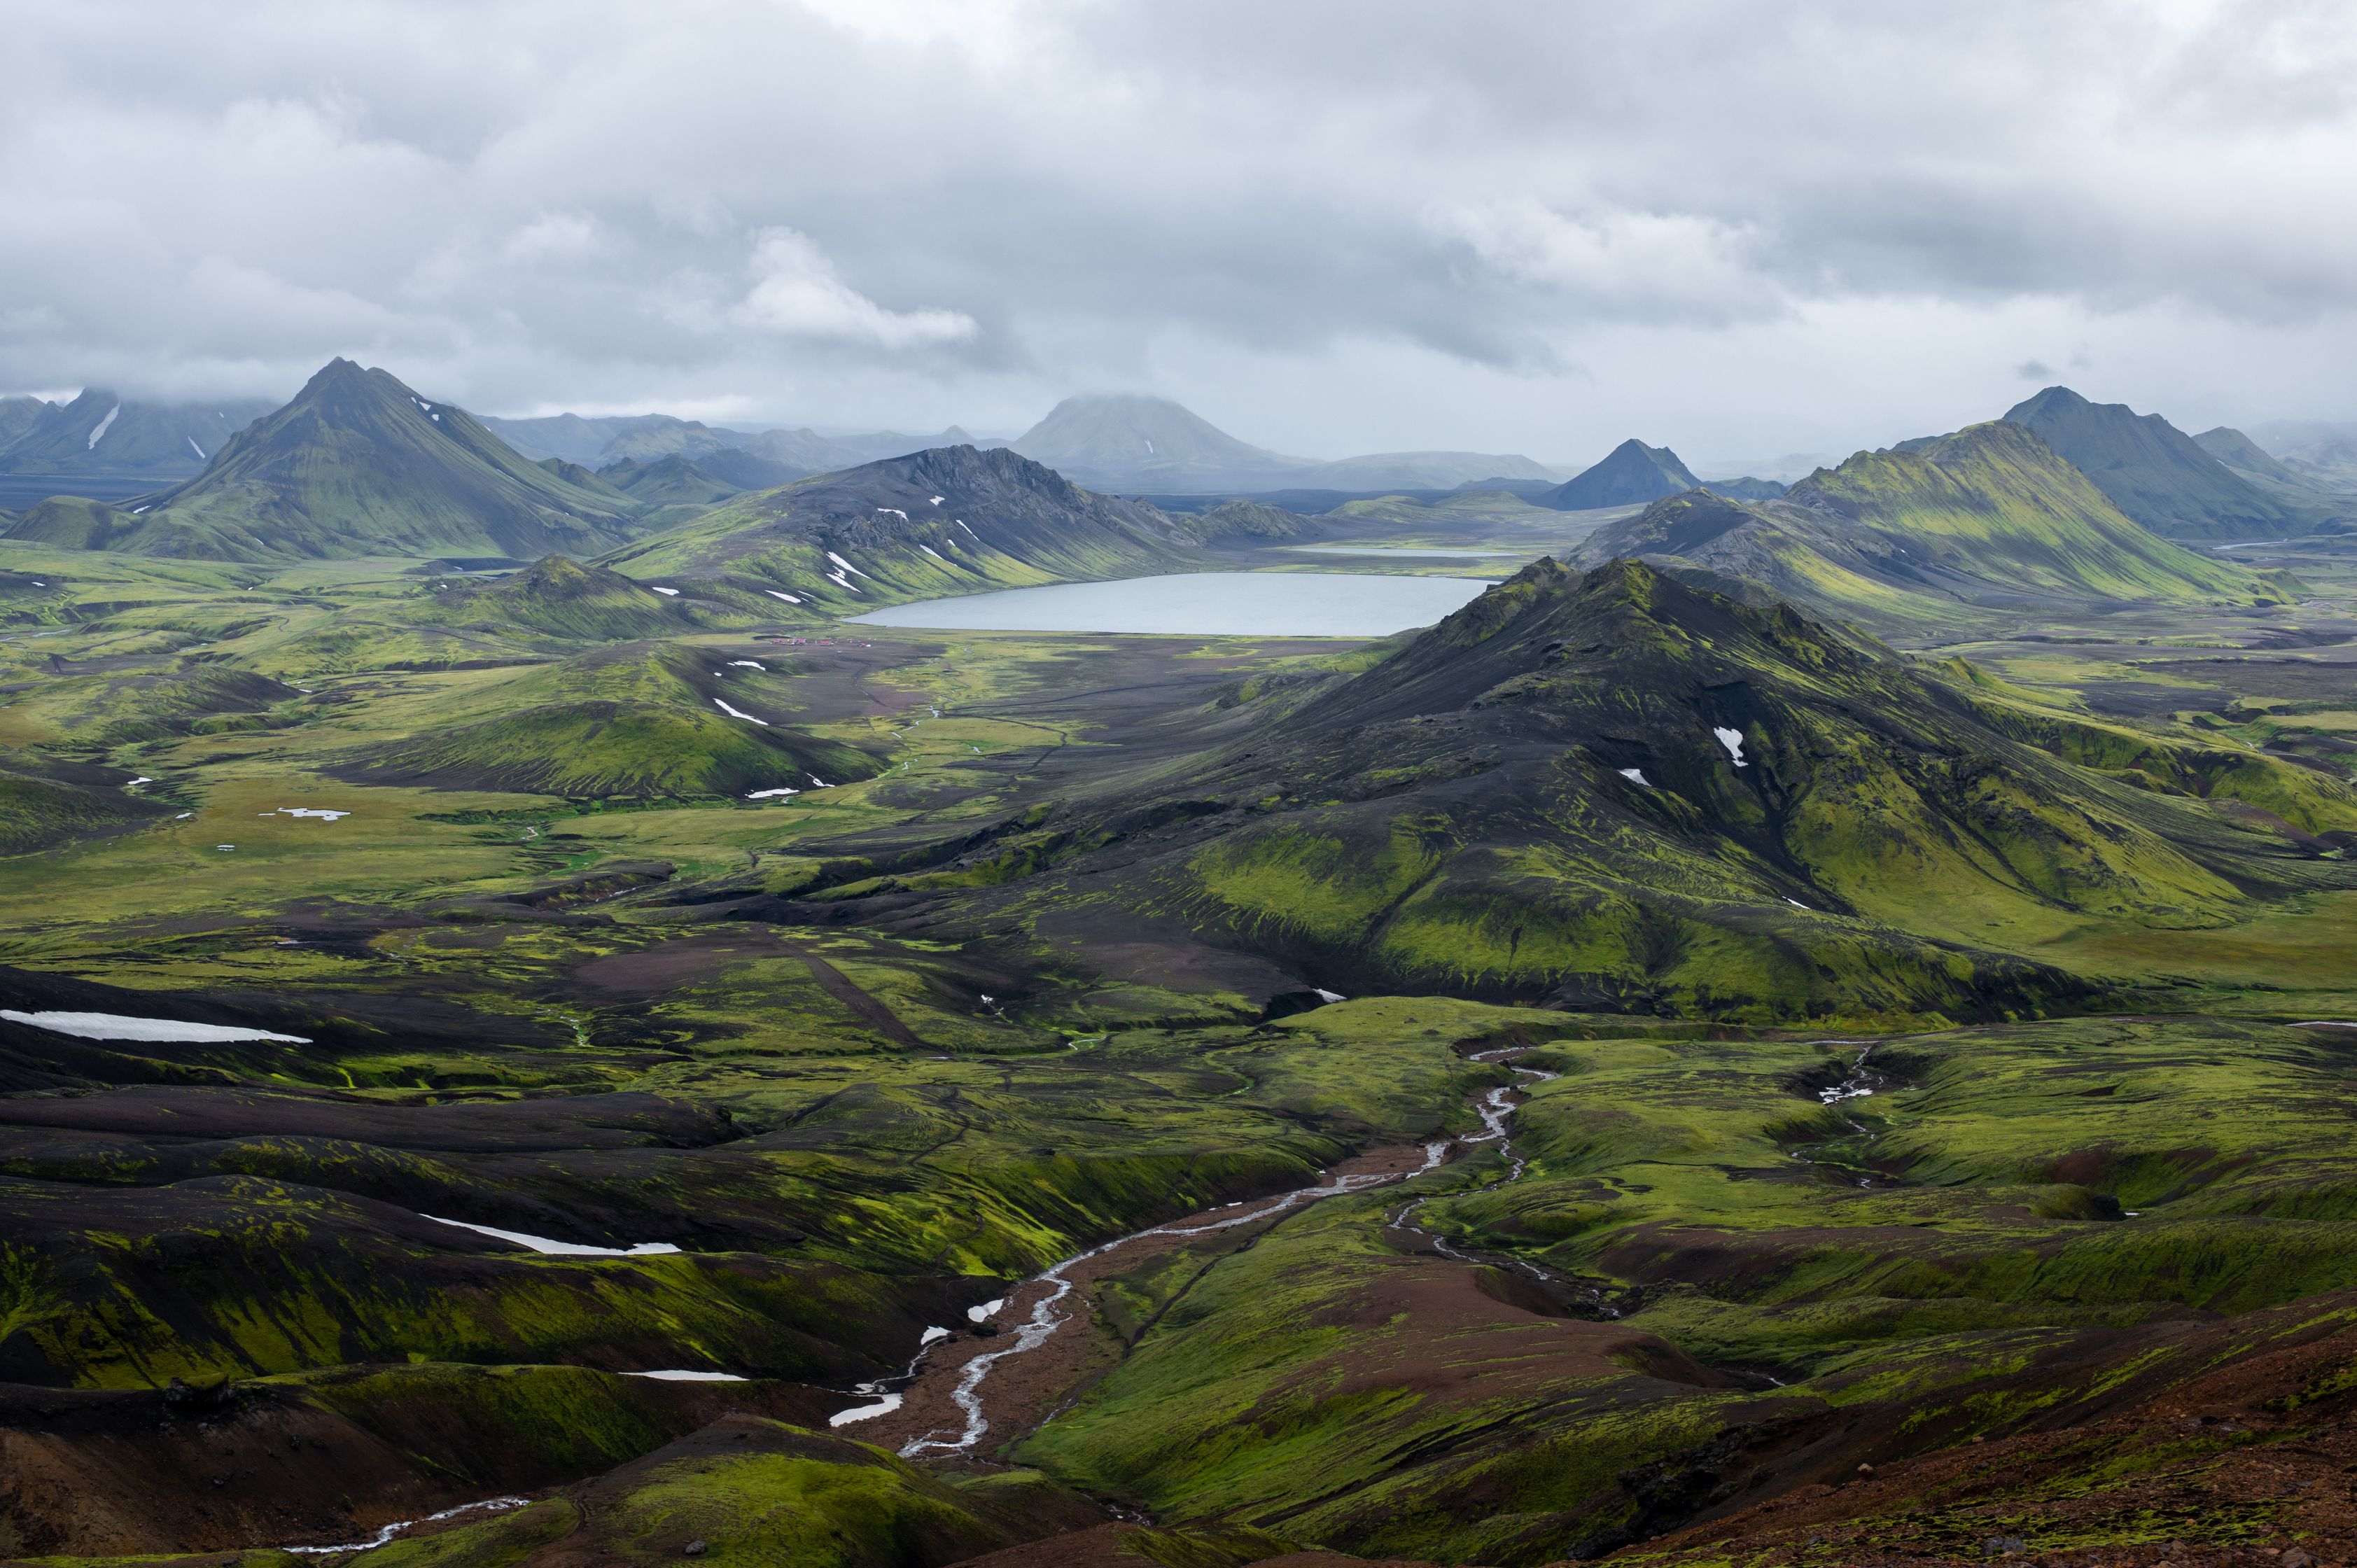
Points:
(1496, 1108)
(1863, 1080)
(1045, 1319)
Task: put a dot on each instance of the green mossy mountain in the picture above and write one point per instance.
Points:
(358, 465)
(1630, 475)
(1989, 517)
(1622, 791)
(951, 520)
(2161, 477)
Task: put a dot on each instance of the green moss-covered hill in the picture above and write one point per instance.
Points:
(1989, 518)
(1623, 791)
(638, 720)
(951, 520)
(559, 597)
(357, 465)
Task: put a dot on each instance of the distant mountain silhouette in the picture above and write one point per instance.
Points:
(100, 433)
(2300, 485)
(1630, 475)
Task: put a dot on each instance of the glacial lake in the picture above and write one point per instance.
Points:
(1408, 551)
(1202, 604)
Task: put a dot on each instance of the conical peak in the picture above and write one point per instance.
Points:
(336, 372)
(2057, 399)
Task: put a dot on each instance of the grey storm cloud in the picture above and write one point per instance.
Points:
(1333, 226)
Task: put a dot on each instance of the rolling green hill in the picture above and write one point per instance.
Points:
(642, 720)
(1988, 517)
(1623, 792)
(74, 522)
(358, 465)
(2159, 476)
(562, 597)
(953, 520)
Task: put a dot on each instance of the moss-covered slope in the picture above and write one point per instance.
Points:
(359, 465)
(953, 520)
(1621, 790)
(561, 597)
(1989, 518)
(639, 719)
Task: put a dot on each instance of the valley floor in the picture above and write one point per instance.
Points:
(2078, 1285)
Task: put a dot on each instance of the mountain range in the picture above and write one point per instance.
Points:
(1989, 517)
(2167, 480)
(599, 443)
(356, 464)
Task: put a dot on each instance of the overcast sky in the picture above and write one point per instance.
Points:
(1740, 229)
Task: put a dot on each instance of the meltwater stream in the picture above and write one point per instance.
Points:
(1495, 1108)
(1041, 1325)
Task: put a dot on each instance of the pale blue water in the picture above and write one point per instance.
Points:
(1405, 550)
(1202, 604)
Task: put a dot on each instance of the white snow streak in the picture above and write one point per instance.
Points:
(553, 1248)
(117, 1026)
